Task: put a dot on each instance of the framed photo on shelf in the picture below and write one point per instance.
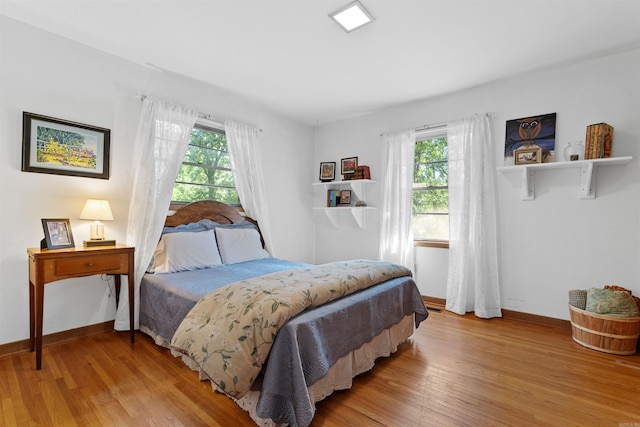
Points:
(345, 198)
(57, 234)
(327, 171)
(527, 156)
(349, 165)
(61, 147)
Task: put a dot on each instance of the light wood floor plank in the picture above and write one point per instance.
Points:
(454, 371)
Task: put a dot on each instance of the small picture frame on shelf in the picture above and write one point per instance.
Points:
(345, 198)
(327, 171)
(527, 156)
(57, 234)
(349, 165)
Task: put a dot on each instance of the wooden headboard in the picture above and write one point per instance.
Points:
(208, 209)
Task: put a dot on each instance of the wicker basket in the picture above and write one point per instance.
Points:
(610, 334)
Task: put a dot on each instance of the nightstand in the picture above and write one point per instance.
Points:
(46, 266)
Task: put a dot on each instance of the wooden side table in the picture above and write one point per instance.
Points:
(46, 266)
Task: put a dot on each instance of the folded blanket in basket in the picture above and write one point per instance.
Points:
(620, 288)
(611, 302)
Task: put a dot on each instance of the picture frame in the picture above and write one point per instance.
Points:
(327, 171)
(345, 198)
(61, 147)
(349, 165)
(57, 233)
(527, 156)
(525, 132)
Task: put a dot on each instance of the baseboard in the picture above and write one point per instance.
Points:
(432, 302)
(24, 345)
(534, 318)
(440, 303)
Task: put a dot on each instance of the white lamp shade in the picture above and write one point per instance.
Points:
(97, 209)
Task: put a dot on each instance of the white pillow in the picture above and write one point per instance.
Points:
(239, 244)
(186, 251)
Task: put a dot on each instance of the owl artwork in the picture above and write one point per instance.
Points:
(529, 129)
(529, 133)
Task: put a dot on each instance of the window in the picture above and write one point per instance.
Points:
(205, 173)
(430, 205)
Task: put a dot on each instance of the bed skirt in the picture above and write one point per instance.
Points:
(340, 375)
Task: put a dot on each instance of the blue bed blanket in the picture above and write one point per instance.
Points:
(309, 344)
(305, 347)
(165, 299)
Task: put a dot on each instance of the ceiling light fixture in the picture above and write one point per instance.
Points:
(352, 16)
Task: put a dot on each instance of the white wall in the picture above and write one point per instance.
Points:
(547, 246)
(556, 242)
(46, 74)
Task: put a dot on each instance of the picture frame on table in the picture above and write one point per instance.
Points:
(348, 165)
(527, 156)
(327, 171)
(57, 234)
(61, 147)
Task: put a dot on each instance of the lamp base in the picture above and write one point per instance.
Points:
(89, 243)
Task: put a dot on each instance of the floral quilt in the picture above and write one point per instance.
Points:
(229, 332)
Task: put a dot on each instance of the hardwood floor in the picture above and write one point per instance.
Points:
(455, 371)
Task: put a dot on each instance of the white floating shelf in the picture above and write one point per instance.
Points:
(587, 173)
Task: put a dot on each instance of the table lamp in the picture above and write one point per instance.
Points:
(97, 210)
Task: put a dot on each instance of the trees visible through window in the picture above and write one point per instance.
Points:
(205, 173)
(430, 189)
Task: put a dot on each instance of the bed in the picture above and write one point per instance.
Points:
(301, 350)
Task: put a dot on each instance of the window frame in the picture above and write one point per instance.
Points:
(432, 132)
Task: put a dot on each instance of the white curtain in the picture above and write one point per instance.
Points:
(396, 225)
(163, 136)
(244, 152)
(473, 280)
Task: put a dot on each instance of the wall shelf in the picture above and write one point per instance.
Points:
(358, 187)
(587, 173)
(358, 214)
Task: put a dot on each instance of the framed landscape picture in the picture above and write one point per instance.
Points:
(61, 147)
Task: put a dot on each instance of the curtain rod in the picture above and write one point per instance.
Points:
(205, 116)
(426, 127)
(432, 126)
(436, 125)
(142, 97)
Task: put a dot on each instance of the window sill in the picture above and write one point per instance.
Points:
(431, 244)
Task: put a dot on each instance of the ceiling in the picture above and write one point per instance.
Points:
(291, 57)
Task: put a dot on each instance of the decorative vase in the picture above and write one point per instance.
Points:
(574, 151)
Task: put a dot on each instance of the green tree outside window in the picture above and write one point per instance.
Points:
(205, 173)
(430, 204)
